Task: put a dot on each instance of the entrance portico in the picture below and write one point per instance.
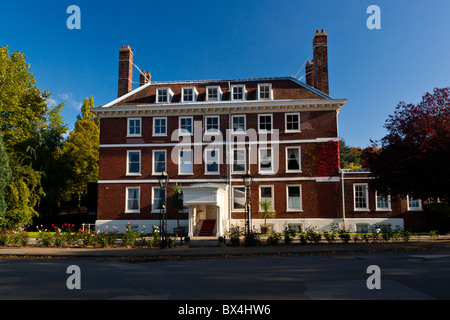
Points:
(206, 202)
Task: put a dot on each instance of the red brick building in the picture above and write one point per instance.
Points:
(205, 135)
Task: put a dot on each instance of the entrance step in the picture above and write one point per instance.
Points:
(207, 228)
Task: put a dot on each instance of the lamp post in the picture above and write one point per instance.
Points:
(163, 180)
(248, 180)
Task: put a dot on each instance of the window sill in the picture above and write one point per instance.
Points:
(159, 135)
(128, 212)
(294, 210)
(293, 171)
(361, 210)
(133, 175)
(185, 173)
(292, 131)
(212, 173)
(134, 136)
(383, 210)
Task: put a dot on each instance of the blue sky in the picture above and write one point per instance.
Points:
(194, 40)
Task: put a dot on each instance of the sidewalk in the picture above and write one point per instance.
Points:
(199, 247)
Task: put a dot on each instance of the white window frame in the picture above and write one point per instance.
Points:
(153, 162)
(232, 196)
(245, 123)
(287, 198)
(362, 224)
(382, 209)
(271, 198)
(128, 173)
(154, 127)
(194, 94)
(270, 91)
(217, 150)
(156, 210)
(219, 93)
(299, 159)
(232, 161)
(286, 122)
(244, 92)
(129, 127)
(179, 161)
(367, 197)
(181, 132)
(259, 123)
(169, 95)
(409, 208)
(215, 132)
(265, 171)
(127, 190)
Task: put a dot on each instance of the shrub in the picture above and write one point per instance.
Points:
(3, 239)
(235, 235)
(330, 237)
(273, 239)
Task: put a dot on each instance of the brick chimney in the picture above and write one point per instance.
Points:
(125, 70)
(309, 73)
(145, 77)
(320, 58)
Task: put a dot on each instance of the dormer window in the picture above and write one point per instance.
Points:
(265, 91)
(213, 93)
(238, 92)
(164, 95)
(189, 94)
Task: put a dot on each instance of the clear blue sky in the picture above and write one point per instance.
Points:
(194, 40)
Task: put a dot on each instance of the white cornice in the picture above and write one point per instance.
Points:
(220, 107)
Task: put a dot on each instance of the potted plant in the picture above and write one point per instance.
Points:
(177, 204)
(266, 207)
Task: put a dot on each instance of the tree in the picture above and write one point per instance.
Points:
(177, 200)
(25, 119)
(413, 158)
(350, 156)
(267, 212)
(81, 150)
(5, 175)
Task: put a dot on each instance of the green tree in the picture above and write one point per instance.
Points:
(350, 156)
(5, 175)
(25, 119)
(81, 150)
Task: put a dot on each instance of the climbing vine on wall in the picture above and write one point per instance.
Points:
(323, 159)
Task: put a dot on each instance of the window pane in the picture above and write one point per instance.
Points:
(265, 160)
(265, 123)
(292, 122)
(133, 199)
(239, 160)
(239, 198)
(160, 126)
(157, 198)
(239, 124)
(294, 197)
(186, 125)
(293, 159)
(212, 124)
(212, 161)
(186, 161)
(382, 202)
(159, 161)
(134, 162)
(361, 197)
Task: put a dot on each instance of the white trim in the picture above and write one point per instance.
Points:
(244, 92)
(192, 161)
(413, 208)
(299, 159)
(154, 126)
(181, 132)
(194, 94)
(262, 172)
(221, 180)
(265, 131)
(245, 124)
(211, 133)
(271, 198)
(382, 209)
(232, 198)
(367, 197)
(128, 173)
(205, 154)
(153, 161)
(153, 210)
(232, 160)
(258, 92)
(172, 144)
(219, 93)
(126, 200)
(128, 128)
(287, 198)
(169, 95)
(286, 122)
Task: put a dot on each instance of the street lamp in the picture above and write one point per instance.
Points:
(248, 180)
(163, 180)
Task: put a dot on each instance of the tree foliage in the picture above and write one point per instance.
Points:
(350, 156)
(413, 158)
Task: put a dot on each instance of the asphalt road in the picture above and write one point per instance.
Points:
(423, 275)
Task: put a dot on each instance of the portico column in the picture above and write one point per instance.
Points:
(219, 229)
(191, 222)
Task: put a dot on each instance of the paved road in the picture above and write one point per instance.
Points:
(409, 275)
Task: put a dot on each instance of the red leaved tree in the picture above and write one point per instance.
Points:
(414, 157)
